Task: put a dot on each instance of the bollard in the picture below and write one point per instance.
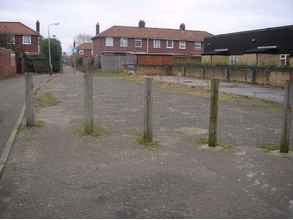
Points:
(29, 105)
(148, 130)
(88, 102)
(285, 135)
(214, 99)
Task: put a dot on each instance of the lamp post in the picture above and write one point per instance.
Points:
(49, 46)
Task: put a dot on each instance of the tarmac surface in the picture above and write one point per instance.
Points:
(53, 172)
(12, 93)
(251, 90)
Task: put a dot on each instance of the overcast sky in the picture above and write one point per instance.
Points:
(214, 16)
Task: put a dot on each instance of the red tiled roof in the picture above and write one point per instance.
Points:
(87, 45)
(16, 28)
(154, 33)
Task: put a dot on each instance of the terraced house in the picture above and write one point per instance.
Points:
(262, 47)
(122, 45)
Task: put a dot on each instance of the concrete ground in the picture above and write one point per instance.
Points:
(53, 172)
(11, 101)
(250, 90)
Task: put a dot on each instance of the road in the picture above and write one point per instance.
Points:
(11, 101)
(258, 91)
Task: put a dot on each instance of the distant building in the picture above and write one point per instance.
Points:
(126, 44)
(263, 47)
(23, 38)
(85, 49)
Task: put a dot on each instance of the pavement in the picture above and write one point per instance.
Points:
(251, 90)
(12, 99)
(53, 172)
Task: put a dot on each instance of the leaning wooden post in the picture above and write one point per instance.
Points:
(148, 130)
(29, 105)
(214, 98)
(285, 135)
(88, 102)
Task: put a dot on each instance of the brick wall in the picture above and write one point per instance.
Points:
(147, 46)
(32, 48)
(7, 63)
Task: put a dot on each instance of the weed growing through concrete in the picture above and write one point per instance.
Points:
(97, 132)
(205, 141)
(47, 99)
(39, 124)
(269, 147)
(149, 145)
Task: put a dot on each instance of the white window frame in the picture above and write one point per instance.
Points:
(233, 60)
(109, 42)
(138, 41)
(26, 39)
(167, 44)
(197, 44)
(182, 45)
(156, 43)
(284, 58)
(123, 42)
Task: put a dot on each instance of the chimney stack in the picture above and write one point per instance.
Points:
(38, 26)
(141, 24)
(182, 27)
(97, 28)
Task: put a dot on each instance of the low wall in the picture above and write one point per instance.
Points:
(7, 63)
(265, 76)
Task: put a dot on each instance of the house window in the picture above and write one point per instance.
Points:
(233, 60)
(182, 45)
(284, 59)
(109, 42)
(138, 43)
(157, 44)
(197, 45)
(26, 39)
(123, 42)
(12, 40)
(169, 44)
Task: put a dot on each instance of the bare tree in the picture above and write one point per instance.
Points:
(82, 38)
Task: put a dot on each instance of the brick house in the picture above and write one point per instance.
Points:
(141, 41)
(262, 47)
(85, 49)
(23, 38)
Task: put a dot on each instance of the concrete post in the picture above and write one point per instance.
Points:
(148, 130)
(88, 102)
(285, 135)
(29, 105)
(213, 122)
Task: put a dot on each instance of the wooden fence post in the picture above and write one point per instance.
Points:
(88, 101)
(148, 129)
(285, 135)
(213, 122)
(29, 105)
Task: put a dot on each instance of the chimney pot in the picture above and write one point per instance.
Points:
(141, 24)
(38, 26)
(182, 27)
(97, 28)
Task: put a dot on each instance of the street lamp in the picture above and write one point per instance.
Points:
(49, 45)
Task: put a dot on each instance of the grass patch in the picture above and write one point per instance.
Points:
(47, 99)
(203, 141)
(149, 145)
(269, 147)
(97, 132)
(39, 124)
